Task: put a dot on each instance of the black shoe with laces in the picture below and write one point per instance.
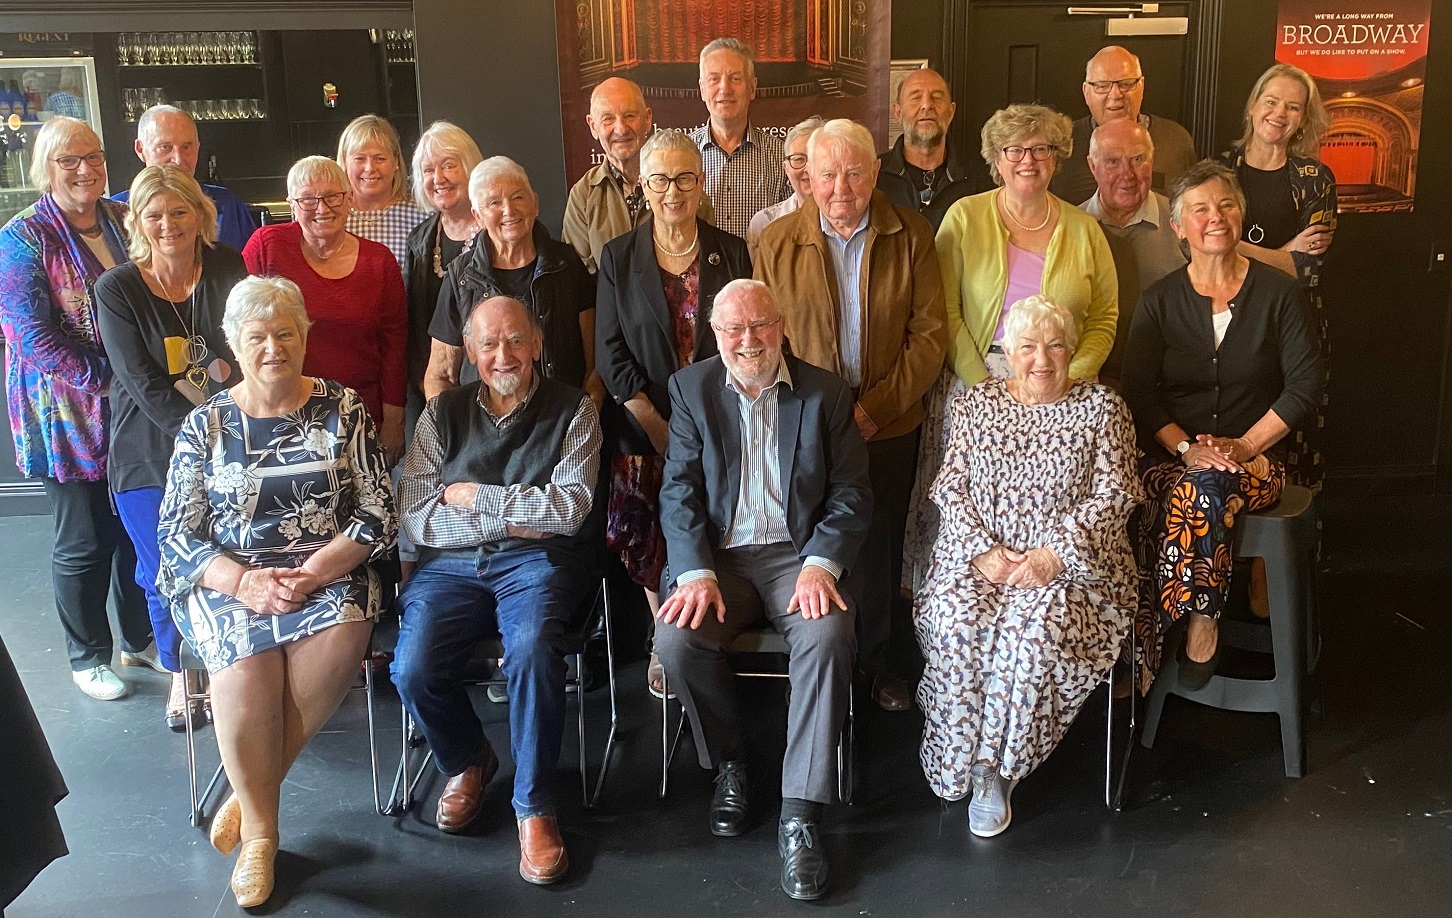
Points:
(803, 862)
(728, 804)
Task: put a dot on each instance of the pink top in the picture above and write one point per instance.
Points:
(360, 322)
(1025, 278)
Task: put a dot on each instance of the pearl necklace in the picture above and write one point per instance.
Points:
(1027, 229)
(689, 249)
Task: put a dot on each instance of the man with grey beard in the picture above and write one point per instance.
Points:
(921, 172)
(496, 492)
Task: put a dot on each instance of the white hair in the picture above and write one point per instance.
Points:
(56, 134)
(254, 299)
(1144, 135)
(745, 288)
(491, 170)
(801, 128)
(312, 169)
(1033, 312)
(443, 138)
(668, 140)
(846, 132)
(146, 124)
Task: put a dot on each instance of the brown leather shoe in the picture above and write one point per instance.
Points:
(463, 796)
(892, 693)
(542, 857)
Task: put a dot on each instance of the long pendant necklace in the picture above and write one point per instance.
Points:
(196, 348)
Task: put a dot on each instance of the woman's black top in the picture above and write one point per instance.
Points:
(1271, 219)
(423, 295)
(1269, 359)
(146, 409)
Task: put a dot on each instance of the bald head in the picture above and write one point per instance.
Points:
(1121, 156)
(924, 107)
(503, 341)
(620, 121)
(1117, 72)
(167, 135)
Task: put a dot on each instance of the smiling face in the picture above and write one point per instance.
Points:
(170, 226)
(924, 107)
(371, 168)
(749, 333)
(503, 345)
(726, 88)
(1276, 115)
(842, 179)
(506, 210)
(270, 351)
(1209, 219)
(1122, 165)
(1039, 360)
(81, 187)
(1113, 64)
(620, 121)
(445, 182)
(799, 176)
(1028, 177)
(325, 225)
(672, 207)
(171, 139)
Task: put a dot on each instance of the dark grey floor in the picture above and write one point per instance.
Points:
(1214, 828)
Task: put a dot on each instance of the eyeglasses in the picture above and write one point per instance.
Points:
(1102, 87)
(796, 160)
(332, 199)
(737, 330)
(72, 163)
(660, 182)
(1039, 151)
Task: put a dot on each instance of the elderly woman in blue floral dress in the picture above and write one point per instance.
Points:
(277, 499)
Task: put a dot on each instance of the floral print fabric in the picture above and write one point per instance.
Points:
(1008, 668)
(269, 492)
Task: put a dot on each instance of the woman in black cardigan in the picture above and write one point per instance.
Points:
(160, 317)
(1222, 363)
(655, 290)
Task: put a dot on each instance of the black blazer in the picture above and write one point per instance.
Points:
(635, 341)
(820, 449)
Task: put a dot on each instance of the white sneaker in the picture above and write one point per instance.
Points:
(989, 812)
(100, 683)
(147, 657)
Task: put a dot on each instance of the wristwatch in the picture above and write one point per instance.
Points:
(1182, 447)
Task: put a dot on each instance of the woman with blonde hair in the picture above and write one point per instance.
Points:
(160, 315)
(372, 156)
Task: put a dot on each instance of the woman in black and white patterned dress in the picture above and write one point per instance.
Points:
(1031, 585)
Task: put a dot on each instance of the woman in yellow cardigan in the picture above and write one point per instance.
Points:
(995, 249)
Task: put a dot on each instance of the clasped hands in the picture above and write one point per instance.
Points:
(1224, 453)
(465, 493)
(1028, 570)
(814, 597)
(276, 590)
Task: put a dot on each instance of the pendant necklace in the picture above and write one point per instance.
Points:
(196, 348)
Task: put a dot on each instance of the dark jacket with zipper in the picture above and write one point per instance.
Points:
(560, 290)
(892, 181)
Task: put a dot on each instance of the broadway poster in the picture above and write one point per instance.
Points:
(1370, 61)
(813, 57)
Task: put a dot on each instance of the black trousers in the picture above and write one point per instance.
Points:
(94, 557)
(884, 618)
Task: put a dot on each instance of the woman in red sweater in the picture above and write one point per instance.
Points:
(353, 290)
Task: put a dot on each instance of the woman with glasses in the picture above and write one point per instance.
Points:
(995, 249)
(56, 380)
(794, 166)
(657, 284)
(353, 290)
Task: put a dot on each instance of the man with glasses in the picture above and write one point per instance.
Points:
(742, 162)
(862, 293)
(921, 171)
(1114, 89)
(765, 504)
(167, 135)
(607, 201)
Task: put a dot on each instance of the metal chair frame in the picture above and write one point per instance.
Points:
(406, 779)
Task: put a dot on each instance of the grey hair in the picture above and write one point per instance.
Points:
(54, 135)
(745, 288)
(735, 47)
(310, 169)
(1206, 170)
(492, 169)
(844, 131)
(146, 124)
(802, 127)
(447, 139)
(255, 299)
(670, 140)
(1149, 142)
(1034, 311)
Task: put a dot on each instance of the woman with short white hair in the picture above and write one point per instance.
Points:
(1030, 588)
(276, 502)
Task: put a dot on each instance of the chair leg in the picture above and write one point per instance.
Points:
(1109, 741)
(580, 680)
(594, 799)
(1117, 804)
(847, 755)
(196, 803)
(379, 807)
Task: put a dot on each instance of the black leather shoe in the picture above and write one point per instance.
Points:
(728, 804)
(1194, 675)
(803, 862)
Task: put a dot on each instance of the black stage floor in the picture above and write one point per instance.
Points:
(1213, 827)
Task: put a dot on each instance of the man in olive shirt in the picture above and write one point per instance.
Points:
(1113, 90)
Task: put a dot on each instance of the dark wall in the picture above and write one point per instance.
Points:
(917, 30)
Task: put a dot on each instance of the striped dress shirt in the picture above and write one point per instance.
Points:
(847, 263)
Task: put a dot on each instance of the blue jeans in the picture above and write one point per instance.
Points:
(530, 598)
(140, 512)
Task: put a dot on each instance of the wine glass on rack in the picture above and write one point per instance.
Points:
(129, 103)
(123, 49)
(256, 109)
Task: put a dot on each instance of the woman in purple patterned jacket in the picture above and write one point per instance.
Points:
(56, 382)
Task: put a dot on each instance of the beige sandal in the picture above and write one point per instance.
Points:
(252, 877)
(655, 677)
(227, 825)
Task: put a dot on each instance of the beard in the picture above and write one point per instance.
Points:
(506, 384)
(925, 135)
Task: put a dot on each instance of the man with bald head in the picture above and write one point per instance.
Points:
(1113, 90)
(608, 201)
(1135, 219)
(166, 135)
(921, 171)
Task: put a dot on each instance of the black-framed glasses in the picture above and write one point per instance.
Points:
(1039, 151)
(796, 160)
(1102, 87)
(659, 182)
(736, 330)
(310, 203)
(72, 163)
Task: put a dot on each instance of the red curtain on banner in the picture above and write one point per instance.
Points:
(674, 31)
(1352, 163)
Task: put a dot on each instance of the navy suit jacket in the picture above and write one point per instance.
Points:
(820, 449)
